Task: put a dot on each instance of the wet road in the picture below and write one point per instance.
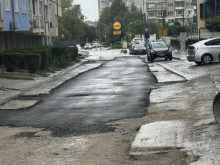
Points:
(118, 89)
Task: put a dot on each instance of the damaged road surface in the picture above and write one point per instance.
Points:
(101, 115)
(118, 89)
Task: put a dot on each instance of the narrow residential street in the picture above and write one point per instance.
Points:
(118, 89)
(120, 110)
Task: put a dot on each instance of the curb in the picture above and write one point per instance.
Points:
(46, 80)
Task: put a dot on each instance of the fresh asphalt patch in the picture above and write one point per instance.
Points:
(118, 89)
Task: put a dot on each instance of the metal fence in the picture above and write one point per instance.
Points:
(64, 43)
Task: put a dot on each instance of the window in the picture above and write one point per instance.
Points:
(35, 7)
(15, 4)
(171, 20)
(24, 7)
(8, 5)
(151, 14)
(41, 8)
(160, 13)
(213, 42)
(179, 4)
(188, 4)
(151, 5)
(170, 4)
(170, 13)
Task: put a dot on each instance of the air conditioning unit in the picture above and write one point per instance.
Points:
(14, 24)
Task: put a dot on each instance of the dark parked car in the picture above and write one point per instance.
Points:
(138, 49)
(158, 50)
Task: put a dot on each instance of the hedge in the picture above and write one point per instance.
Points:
(32, 62)
(61, 56)
(56, 56)
(12, 61)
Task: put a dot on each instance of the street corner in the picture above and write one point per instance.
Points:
(18, 104)
(158, 138)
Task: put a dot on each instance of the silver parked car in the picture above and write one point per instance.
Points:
(88, 46)
(204, 52)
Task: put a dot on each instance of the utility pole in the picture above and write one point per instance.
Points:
(100, 34)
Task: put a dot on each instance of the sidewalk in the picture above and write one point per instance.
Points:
(179, 54)
(184, 122)
(15, 84)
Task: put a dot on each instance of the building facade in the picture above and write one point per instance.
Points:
(104, 4)
(107, 3)
(183, 11)
(207, 9)
(26, 23)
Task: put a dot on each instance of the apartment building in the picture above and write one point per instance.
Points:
(26, 23)
(183, 11)
(207, 9)
(107, 3)
(104, 4)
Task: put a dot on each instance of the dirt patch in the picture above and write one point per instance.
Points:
(34, 146)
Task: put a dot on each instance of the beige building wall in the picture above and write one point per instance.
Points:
(201, 23)
(203, 32)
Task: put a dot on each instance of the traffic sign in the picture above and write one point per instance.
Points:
(163, 32)
(117, 32)
(117, 26)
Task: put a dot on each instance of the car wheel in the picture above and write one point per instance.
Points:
(166, 59)
(171, 58)
(206, 59)
(151, 59)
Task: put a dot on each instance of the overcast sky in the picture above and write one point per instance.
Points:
(89, 8)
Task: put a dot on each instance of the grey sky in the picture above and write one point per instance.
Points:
(89, 8)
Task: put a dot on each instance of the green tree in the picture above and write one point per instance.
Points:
(132, 19)
(213, 24)
(177, 28)
(90, 33)
(71, 25)
(154, 27)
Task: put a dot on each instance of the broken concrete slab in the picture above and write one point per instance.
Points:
(158, 137)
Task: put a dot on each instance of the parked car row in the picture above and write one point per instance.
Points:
(137, 49)
(154, 50)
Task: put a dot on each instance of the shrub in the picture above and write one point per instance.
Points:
(117, 45)
(61, 56)
(45, 56)
(32, 62)
(75, 53)
(12, 61)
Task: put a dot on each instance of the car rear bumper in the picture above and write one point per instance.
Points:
(140, 52)
(190, 58)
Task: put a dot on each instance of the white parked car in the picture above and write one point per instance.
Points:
(136, 41)
(204, 52)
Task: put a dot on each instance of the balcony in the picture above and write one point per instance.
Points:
(156, 9)
(38, 21)
(179, 16)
